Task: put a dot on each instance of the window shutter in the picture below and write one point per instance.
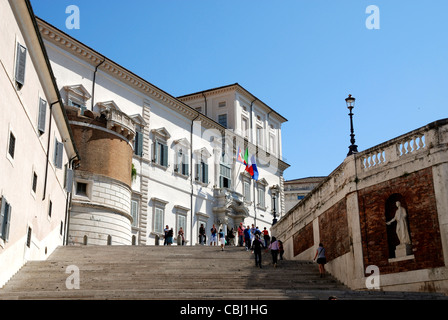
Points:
(138, 144)
(134, 212)
(42, 115)
(20, 65)
(69, 180)
(5, 217)
(185, 169)
(198, 172)
(164, 155)
(205, 173)
(58, 154)
(2, 215)
(8, 219)
(158, 220)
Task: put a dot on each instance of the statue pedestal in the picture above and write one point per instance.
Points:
(403, 250)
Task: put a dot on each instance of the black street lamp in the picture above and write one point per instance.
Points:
(274, 192)
(353, 148)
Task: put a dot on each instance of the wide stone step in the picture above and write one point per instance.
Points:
(168, 273)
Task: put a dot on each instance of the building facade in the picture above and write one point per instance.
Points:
(179, 154)
(295, 190)
(36, 148)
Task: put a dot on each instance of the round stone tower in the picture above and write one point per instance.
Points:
(101, 199)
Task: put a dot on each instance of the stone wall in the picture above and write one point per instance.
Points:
(348, 212)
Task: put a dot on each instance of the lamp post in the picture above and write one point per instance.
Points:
(274, 210)
(353, 148)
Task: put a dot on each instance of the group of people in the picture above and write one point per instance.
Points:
(252, 238)
(169, 234)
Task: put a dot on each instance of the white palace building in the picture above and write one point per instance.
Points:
(128, 157)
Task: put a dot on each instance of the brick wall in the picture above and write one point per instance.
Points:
(333, 230)
(103, 153)
(376, 205)
(333, 233)
(303, 239)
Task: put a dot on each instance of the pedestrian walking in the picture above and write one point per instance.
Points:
(213, 239)
(321, 259)
(247, 238)
(274, 251)
(266, 237)
(222, 239)
(257, 244)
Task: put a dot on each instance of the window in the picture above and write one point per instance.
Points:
(58, 154)
(5, 217)
(244, 127)
(42, 116)
(261, 197)
(224, 179)
(138, 142)
(76, 96)
(222, 120)
(81, 189)
(28, 237)
(182, 165)
(134, 212)
(222, 104)
(202, 172)
(109, 240)
(271, 143)
(68, 179)
(12, 145)
(161, 154)
(34, 184)
(259, 136)
(182, 223)
(158, 219)
(246, 190)
(50, 209)
(181, 219)
(20, 65)
(61, 230)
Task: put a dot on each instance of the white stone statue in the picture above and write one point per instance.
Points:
(402, 226)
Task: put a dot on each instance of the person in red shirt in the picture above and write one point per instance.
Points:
(266, 237)
(241, 234)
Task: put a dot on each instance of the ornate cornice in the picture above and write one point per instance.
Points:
(92, 57)
(71, 45)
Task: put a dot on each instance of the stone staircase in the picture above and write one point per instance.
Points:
(178, 273)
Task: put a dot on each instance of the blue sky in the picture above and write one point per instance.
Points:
(300, 57)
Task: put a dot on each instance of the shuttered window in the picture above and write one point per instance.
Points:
(202, 172)
(138, 143)
(42, 116)
(161, 154)
(58, 154)
(158, 220)
(134, 212)
(246, 190)
(5, 218)
(20, 65)
(12, 145)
